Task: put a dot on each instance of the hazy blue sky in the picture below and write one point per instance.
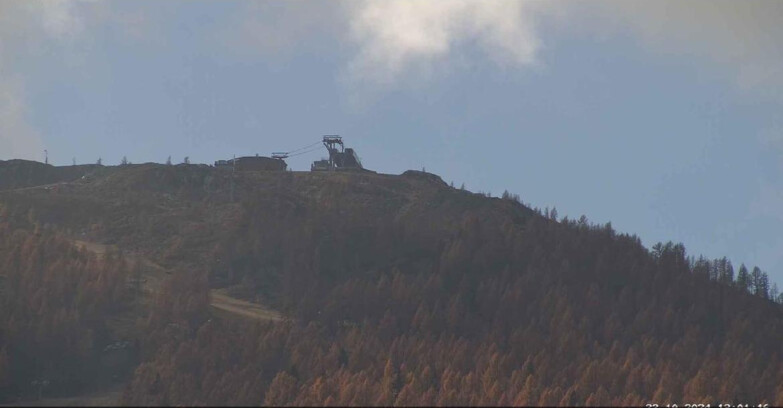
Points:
(662, 117)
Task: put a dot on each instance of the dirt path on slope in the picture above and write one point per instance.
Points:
(151, 279)
(221, 300)
(154, 275)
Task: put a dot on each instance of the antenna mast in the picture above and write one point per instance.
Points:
(233, 171)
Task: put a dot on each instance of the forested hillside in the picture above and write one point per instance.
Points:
(57, 308)
(397, 290)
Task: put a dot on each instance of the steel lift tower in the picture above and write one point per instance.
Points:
(331, 142)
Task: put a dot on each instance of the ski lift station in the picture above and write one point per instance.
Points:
(340, 158)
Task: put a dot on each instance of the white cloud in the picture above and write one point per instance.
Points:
(741, 36)
(391, 40)
(58, 17)
(394, 37)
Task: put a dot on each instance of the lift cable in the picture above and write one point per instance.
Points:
(303, 148)
(303, 152)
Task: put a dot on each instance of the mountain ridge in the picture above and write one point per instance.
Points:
(399, 287)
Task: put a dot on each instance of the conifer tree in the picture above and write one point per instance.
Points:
(743, 278)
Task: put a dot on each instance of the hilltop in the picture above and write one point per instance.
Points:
(15, 174)
(383, 289)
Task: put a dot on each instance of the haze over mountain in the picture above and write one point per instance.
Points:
(147, 283)
(663, 117)
(186, 283)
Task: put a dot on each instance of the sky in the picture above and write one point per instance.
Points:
(663, 118)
